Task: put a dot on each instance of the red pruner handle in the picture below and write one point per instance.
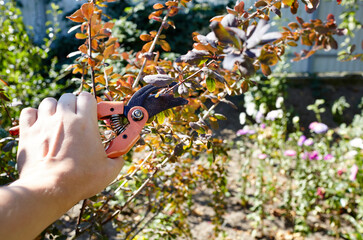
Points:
(137, 117)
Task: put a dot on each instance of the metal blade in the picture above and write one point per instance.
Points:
(153, 104)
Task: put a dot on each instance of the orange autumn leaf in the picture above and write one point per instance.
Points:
(146, 37)
(77, 16)
(109, 51)
(158, 6)
(146, 47)
(83, 48)
(87, 10)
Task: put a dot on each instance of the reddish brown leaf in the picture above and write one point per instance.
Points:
(77, 16)
(87, 10)
(293, 25)
(83, 48)
(91, 62)
(240, 7)
(266, 70)
(173, 11)
(245, 86)
(294, 7)
(300, 20)
(261, 3)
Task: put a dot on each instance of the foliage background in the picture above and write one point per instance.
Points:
(164, 208)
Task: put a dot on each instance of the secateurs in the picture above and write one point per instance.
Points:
(127, 121)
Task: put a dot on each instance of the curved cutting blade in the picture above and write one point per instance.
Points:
(153, 104)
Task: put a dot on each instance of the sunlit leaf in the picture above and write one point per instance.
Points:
(109, 51)
(87, 10)
(211, 84)
(266, 70)
(244, 86)
(146, 47)
(146, 37)
(77, 16)
(158, 6)
(161, 117)
(288, 2)
(165, 45)
(81, 36)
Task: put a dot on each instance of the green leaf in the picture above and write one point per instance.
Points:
(161, 117)
(220, 116)
(211, 84)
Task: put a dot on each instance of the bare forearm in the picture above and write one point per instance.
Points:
(27, 208)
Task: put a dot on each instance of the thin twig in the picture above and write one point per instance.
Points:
(90, 56)
(153, 44)
(80, 216)
(190, 77)
(6, 110)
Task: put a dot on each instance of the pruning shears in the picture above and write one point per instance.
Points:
(127, 120)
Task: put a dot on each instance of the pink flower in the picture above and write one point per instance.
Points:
(353, 172)
(290, 153)
(309, 142)
(242, 132)
(245, 131)
(263, 126)
(341, 171)
(301, 140)
(318, 127)
(262, 156)
(314, 155)
(328, 157)
(320, 192)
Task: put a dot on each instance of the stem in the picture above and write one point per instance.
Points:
(6, 110)
(190, 77)
(80, 216)
(90, 56)
(137, 80)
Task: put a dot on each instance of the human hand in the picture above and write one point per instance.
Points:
(60, 148)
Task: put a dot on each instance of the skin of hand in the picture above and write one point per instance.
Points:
(61, 161)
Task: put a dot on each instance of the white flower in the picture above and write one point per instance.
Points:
(250, 108)
(356, 142)
(274, 114)
(263, 108)
(242, 118)
(279, 102)
(296, 119)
